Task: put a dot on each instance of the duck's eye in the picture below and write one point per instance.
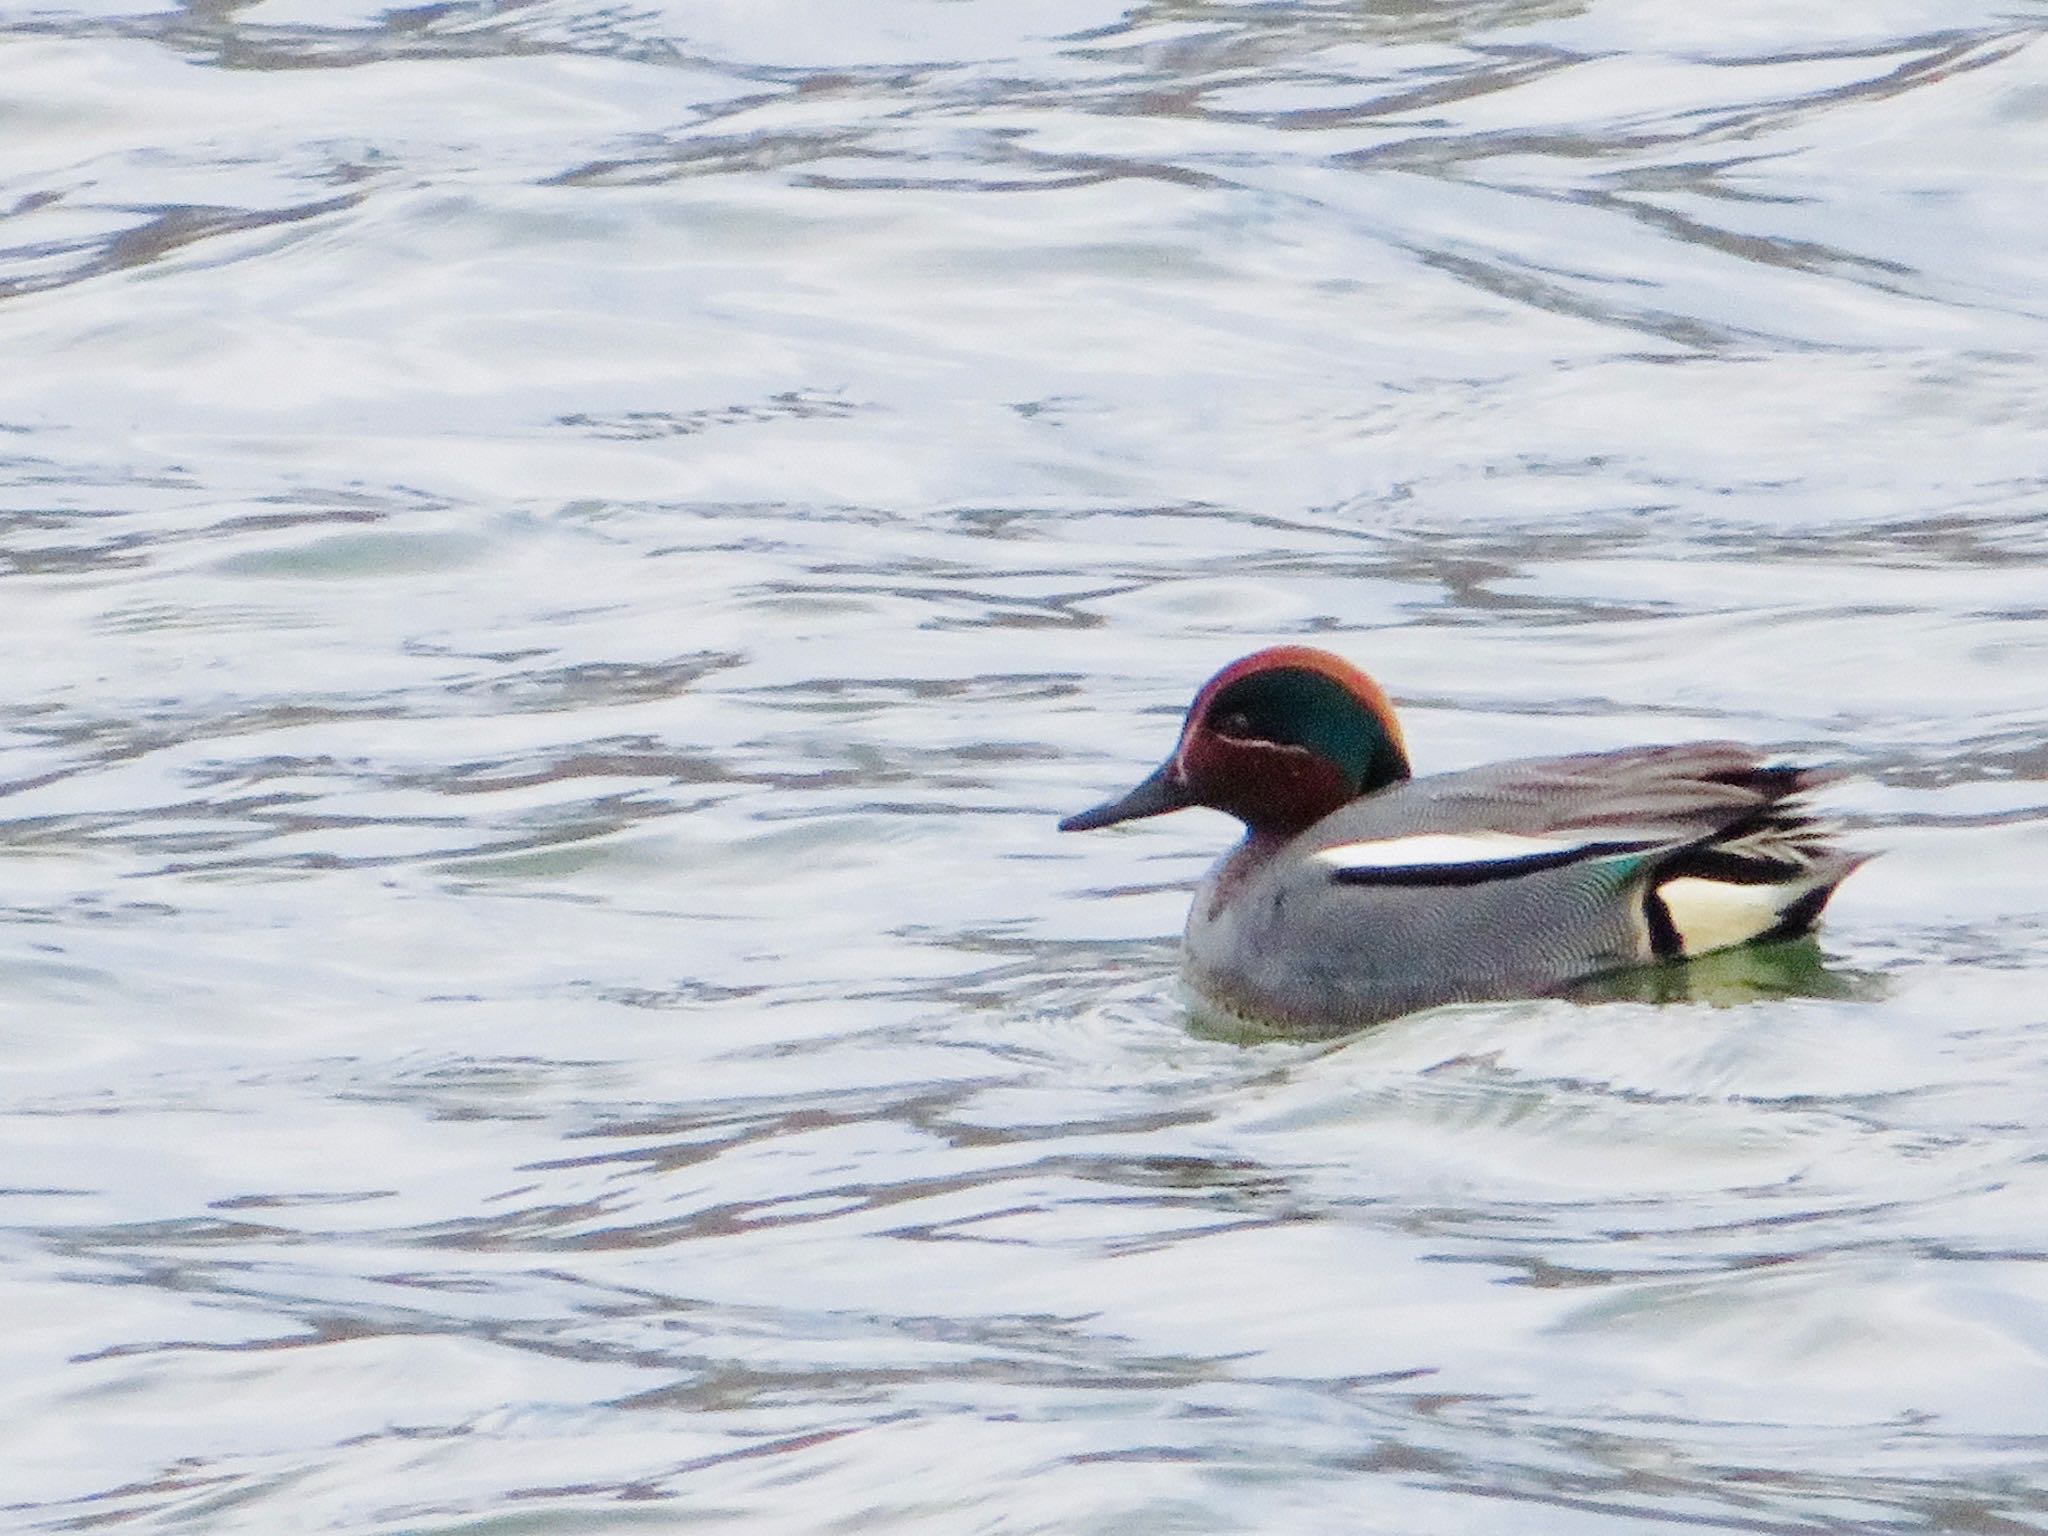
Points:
(1237, 723)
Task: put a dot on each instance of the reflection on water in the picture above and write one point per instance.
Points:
(1794, 968)
(558, 565)
(1732, 977)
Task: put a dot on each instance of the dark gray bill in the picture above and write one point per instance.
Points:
(1154, 797)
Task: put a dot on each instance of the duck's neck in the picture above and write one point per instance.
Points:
(1240, 864)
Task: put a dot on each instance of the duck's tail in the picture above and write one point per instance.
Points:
(1766, 877)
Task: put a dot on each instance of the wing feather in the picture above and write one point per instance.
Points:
(1710, 808)
(1436, 858)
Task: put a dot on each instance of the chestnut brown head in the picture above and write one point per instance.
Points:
(1279, 739)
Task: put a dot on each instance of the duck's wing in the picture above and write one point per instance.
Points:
(1720, 844)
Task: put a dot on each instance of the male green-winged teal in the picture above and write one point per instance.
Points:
(1360, 893)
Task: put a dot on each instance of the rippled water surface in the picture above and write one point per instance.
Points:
(558, 564)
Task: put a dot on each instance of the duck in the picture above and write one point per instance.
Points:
(1360, 892)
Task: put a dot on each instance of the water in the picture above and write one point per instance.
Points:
(560, 564)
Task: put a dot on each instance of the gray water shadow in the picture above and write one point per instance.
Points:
(1728, 978)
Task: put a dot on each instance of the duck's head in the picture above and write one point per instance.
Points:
(1279, 739)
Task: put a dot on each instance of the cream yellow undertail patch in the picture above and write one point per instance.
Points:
(1714, 914)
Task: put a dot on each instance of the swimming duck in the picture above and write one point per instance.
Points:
(1360, 892)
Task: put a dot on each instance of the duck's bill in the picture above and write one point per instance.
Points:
(1154, 797)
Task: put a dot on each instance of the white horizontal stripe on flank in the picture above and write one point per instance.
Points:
(1442, 850)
